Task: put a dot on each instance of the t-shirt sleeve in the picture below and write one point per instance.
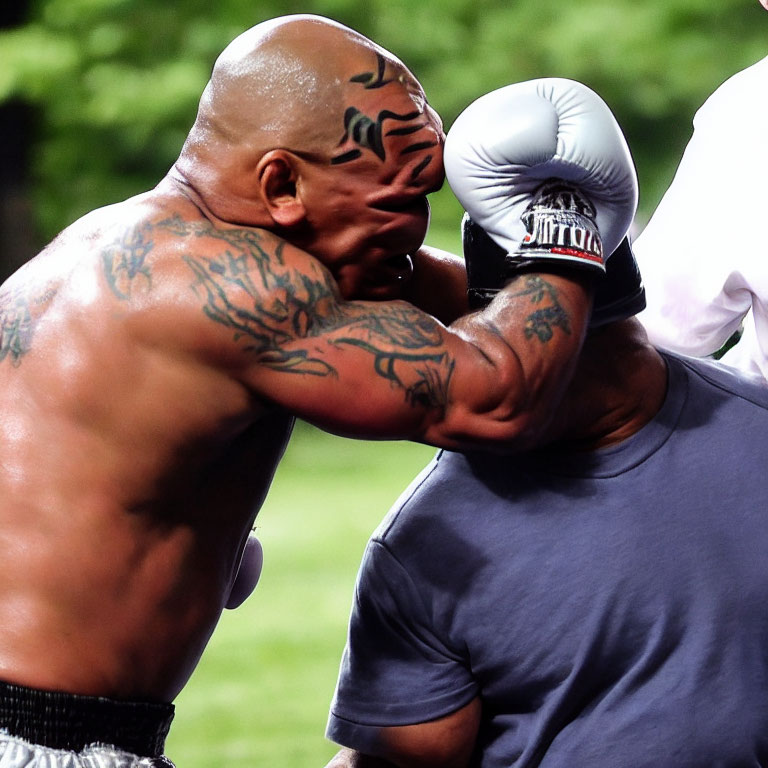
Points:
(396, 668)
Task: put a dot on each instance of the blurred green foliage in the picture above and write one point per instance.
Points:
(115, 83)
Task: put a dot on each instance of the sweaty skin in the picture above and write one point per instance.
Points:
(154, 355)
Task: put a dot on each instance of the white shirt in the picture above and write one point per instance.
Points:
(704, 253)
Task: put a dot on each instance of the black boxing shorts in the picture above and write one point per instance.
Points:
(53, 729)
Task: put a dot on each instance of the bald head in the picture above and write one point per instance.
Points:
(309, 130)
(285, 83)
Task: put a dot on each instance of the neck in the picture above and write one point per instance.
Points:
(203, 189)
(619, 386)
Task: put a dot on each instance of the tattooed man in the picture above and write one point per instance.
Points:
(153, 356)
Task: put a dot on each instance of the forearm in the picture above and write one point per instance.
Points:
(529, 339)
(541, 229)
(539, 343)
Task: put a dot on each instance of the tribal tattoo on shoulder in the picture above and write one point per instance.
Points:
(125, 262)
(19, 315)
(247, 287)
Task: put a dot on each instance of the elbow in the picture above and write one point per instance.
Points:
(513, 423)
(500, 398)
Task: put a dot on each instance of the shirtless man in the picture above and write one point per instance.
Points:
(154, 355)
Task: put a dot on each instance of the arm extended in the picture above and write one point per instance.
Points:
(387, 369)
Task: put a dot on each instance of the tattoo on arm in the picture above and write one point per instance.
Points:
(269, 307)
(543, 320)
(247, 287)
(263, 328)
(407, 330)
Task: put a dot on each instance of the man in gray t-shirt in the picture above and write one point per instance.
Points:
(600, 603)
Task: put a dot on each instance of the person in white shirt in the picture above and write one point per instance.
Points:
(703, 255)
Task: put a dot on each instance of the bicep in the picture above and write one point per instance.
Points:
(367, 369)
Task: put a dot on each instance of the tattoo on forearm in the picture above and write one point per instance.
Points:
(543, 321)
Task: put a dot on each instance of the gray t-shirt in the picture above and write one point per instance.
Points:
(610, 608)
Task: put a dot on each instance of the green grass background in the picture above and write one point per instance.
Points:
(260, 695)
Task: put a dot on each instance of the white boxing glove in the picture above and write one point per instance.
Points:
(543, 167)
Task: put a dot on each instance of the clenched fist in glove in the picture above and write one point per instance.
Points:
(543, 168)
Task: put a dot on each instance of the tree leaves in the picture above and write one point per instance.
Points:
(117, 81)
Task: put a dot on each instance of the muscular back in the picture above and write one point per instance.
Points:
(133, 456)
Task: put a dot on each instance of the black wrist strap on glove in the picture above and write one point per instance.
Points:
(618, 294)
(485, 261)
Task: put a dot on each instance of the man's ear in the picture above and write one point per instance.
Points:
(278, 174)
